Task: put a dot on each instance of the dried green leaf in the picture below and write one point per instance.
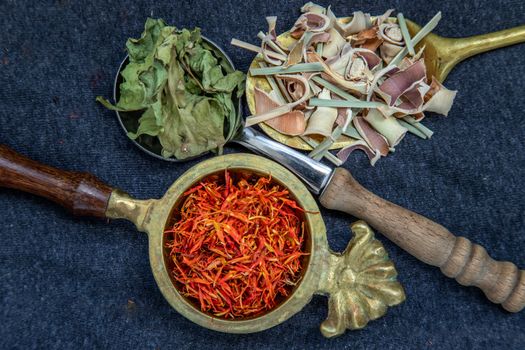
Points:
(185, 88)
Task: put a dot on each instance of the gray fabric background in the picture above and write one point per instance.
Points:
(66, 282)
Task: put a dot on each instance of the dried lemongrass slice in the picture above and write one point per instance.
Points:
(375, 140)
(333, 77)
(378, 75)
(388, 51)
(334, 45)
(360, 21)
(384, 17)
(371, 58)
(296, 54)
(391, 33)
(297, 68)
(321, 37)
(441, 100)
(266, 57)
(368, 39)
(272, 22)
(312, 7)
(355, 103)
(413, 98)
(298, 51)
(308, 113)
(427, 28)
(310, 22)
(321, 122)
(438, 100)
(251, 47)
(409, 119)
(386, 126)
(263, 101)
(270, 40)
(338, 91)
(361, 64)
(292, 123)
(400, 82)
(297, 91)
(412, 129)
(276, 112)
(351, 131)
(372, 44)
(364, 35)
(354, 63)
(339, 62)
(344, 115)
(314, 88)
(345, 152)
(329, 156)
(405, 33)
(393, 41)
(357, 69)
(344, 118)
(275, 88)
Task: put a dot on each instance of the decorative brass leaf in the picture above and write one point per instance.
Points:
(362, 283)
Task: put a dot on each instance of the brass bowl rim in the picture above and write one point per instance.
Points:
(316, 230)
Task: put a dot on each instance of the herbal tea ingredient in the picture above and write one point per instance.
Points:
(359, 77)
(185, 88)
(237, 245)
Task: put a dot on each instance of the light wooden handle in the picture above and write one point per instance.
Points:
(81, 193)
(502, 282)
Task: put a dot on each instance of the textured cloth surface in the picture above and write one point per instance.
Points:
(83, 283)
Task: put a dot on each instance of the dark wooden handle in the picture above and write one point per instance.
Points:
(502, 282)
(81, 193)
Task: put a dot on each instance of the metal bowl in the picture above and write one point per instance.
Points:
(129, 121)
(363, 266)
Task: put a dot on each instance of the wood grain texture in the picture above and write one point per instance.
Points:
(81, 193)
(468, 263)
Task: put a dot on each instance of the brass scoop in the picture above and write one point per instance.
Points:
(443, 54)
(361, 282)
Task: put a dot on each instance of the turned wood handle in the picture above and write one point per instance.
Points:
(502, 282)
(81, 193)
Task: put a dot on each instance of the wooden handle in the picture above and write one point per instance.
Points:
(428, 241)
(81, 193)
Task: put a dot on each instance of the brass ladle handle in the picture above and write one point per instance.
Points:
(81, 193)
(361, 283)
(452, 50)
(467, 47)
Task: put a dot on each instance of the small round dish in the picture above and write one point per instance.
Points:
(129, 121)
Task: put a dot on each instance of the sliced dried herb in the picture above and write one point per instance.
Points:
(367, 65)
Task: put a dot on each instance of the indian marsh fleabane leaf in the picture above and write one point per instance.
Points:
(185, 88)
